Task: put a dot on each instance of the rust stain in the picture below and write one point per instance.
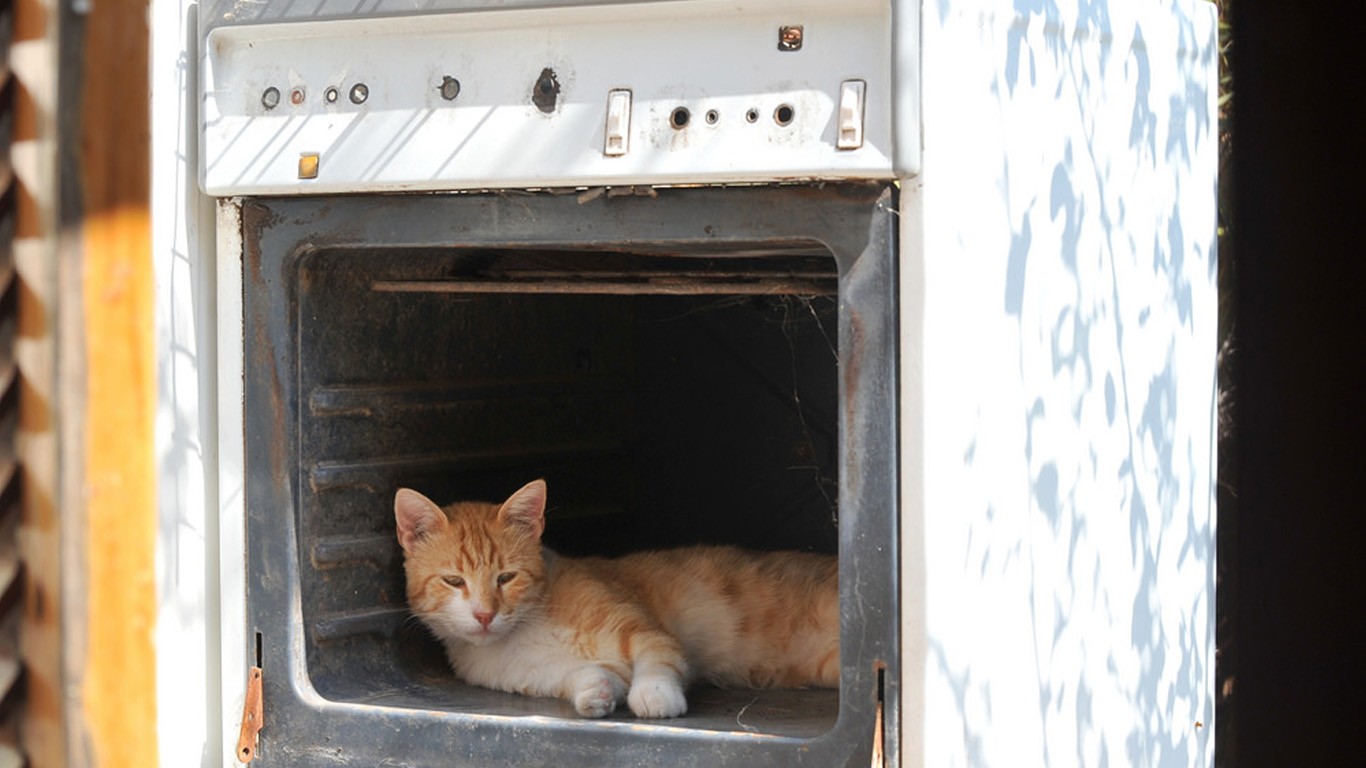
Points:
(256, 220)
(851, 364)
(857, 191)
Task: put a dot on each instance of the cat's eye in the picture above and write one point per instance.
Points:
(504, 578)
(454, 581)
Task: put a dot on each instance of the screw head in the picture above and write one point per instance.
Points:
(790, 38)
(296, 95)
(359, 93)
(270, 97)
(450, 88)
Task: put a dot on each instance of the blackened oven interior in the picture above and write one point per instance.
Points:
(667, 397)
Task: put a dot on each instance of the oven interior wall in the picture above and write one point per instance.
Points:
(657, 420)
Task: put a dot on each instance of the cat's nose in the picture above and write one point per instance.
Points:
(485, 618)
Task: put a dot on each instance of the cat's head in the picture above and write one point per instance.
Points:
(475, 570)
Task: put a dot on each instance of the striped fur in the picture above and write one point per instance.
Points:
(515, 616)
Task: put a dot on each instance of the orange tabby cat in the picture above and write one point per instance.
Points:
(515, 616)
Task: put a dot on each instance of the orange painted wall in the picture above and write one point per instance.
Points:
(119, 684)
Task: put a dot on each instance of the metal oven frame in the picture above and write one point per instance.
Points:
(856, 222)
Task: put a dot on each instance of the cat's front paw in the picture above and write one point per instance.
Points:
(657, 695)
(595, 692)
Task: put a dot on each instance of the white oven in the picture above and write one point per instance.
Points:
(929, 287)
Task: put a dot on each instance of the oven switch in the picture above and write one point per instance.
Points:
(851, 115)
(618, 123)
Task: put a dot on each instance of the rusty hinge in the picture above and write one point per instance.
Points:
(879, 756)
(879, 735)
(253, 716)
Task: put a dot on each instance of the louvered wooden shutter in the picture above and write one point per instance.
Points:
(11, 672)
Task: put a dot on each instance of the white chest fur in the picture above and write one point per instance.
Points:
(533, 660)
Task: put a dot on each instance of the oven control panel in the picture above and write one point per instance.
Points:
(613, 95)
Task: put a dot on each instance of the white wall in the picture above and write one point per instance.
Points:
(186, 430)
(1060, 304)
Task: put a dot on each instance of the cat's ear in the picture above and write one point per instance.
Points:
(526, 508)
(417, 516)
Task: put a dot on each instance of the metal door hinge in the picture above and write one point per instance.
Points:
(879, 734)
(253, 716)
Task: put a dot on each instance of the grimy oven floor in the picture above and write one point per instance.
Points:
(792, 713)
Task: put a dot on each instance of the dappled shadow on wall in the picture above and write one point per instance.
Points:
(1113, 530)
